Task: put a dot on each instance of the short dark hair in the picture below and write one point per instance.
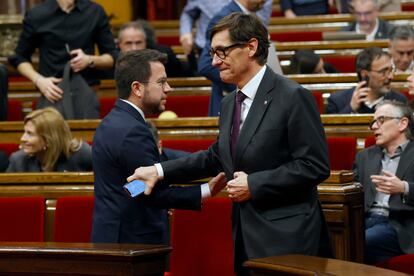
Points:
(304, 61)
(365, 58)
(135, 66)
(401, 33)
(242, 28)
(149, 32)
(404, 111)
(131, 25)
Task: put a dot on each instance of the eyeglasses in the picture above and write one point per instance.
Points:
(385, 71)
(161, 83)
(381, 120)
(222, 52)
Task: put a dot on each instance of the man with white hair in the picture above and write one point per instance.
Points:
(386, 172)
(401, 48)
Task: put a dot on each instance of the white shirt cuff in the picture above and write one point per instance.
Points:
(406, 188)
(160, 171)
(205, 191)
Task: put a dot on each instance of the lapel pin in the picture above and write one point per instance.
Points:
(265, 102)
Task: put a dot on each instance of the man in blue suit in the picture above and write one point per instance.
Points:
(219, 88)
(375, 71)
(123, 142)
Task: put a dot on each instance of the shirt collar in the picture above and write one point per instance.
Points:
(250, 89)
(244, 10)
(136, 108)
(374, 103)
(398, 151)
(371, 35)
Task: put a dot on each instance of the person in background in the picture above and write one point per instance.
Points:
(307, 62)
(123, 141)
(199, 13)
(386, 172)
(219, 88)
(47, 145)
(367, 21)
(174, 67)
(375, 73)
(401, 47)
(293, 8)
(271, 145)
(62, 31)
(345, 6)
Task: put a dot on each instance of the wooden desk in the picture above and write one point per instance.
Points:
(290, 265)
(341, 202)
(82, 259)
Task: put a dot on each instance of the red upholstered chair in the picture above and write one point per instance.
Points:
(342, 152)
(344, 64)
(202, 241)
(73, 219)
(9, 148)
(169, 40)
(319, 101)
(297, 36)
(22, 219)
(369, 141)
(106, 104)
(189, 105)
(191, 145)
(14, 110)
(403, 263)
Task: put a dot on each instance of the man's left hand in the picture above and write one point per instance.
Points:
(388, 183)
(80, 60)
(238, 188)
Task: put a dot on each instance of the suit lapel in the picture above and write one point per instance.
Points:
(374, 168)
(259, 106)
(406, 160)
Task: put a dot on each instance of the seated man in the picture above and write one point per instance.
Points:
(374, 69)
(386, 172)
(401, 47)
(366, 13)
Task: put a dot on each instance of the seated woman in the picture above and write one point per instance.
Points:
(47, 145)
(307, 62)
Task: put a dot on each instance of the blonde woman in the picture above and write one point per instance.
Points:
(47, 145)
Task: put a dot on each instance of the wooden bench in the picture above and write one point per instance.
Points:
(82, 259)
(341, 201)
(291, 265)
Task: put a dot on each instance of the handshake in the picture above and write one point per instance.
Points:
(237, 188)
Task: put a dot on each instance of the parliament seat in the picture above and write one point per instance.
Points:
(342, 151)
(14, 110)
(202, 241)
(369, 141)
(191, 145)
(403, 263)
(342, 63)
(22, 219)
(296, 36)
(9, 148)
(73, 219)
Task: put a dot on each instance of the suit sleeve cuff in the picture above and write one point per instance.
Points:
(160, 171)
(406, 188)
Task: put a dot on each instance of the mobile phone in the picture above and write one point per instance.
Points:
(134, 188)
(366, 79)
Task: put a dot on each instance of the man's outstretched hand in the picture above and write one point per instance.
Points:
(147, 174)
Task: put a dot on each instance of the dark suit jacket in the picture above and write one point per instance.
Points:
(121, 144)
(206, 69)
(339, 103)
(383, 31)
(367, 163)
(282, 148)
(79, 161)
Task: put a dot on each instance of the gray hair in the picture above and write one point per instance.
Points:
(401, 33)
(401, 110)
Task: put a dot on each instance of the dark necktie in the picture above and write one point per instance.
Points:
(236, 122)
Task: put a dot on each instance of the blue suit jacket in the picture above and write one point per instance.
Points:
(339, 103)
(206, 69)
(121, 144)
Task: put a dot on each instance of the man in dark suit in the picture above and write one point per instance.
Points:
(122, 142)
(276, 162)
(375, 72)
(386, 171)
(367, 21)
